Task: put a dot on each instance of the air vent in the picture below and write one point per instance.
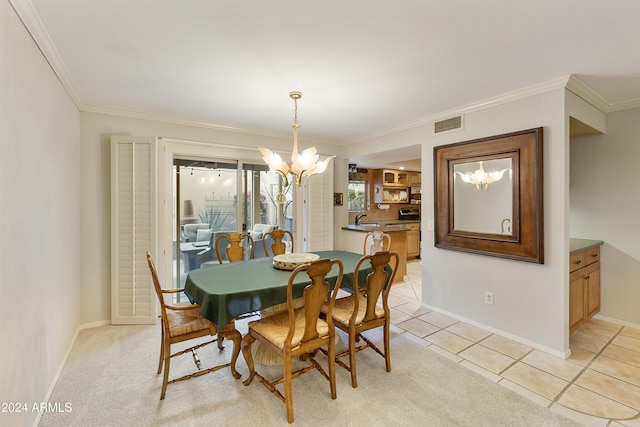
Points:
(448, 124)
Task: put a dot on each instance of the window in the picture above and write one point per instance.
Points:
(357, 200)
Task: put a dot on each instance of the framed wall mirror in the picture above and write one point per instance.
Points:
(488, 196)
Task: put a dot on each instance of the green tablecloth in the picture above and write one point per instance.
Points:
(227, 291)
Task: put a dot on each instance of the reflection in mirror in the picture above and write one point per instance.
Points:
(483, 196)
(479, 221)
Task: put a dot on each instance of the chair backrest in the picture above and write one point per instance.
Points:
(314, 296)
(156, 284)
(235, 246)
(279, 245)
(377, 282)
(376, 241)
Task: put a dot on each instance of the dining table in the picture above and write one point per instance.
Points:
(227, 291)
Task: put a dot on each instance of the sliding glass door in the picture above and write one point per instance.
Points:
(213, 197)
(272, 204)
(205, 203)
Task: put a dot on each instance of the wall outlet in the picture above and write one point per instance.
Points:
(488, 297)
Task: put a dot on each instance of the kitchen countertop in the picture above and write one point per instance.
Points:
(579, 245)
(382, 225)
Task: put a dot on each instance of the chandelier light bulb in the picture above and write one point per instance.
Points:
(482, 179)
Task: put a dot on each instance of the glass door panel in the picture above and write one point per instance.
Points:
(271, 202)
(205, 204)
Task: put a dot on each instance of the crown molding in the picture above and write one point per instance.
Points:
(181, 121)
(469, 108)
(155, 117)
(30, 19)
(627, 105)
(578, 87)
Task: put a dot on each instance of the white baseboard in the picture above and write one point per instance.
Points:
(64, 362)
(562, 354)
(619, 322)
(94, 324)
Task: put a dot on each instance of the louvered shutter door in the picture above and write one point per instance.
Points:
(133, 229)
(319, 216)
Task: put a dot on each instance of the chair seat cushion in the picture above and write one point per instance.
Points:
(343, 308)
(276, 327)
(182, 322)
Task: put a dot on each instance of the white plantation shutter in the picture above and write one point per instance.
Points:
(133, 229)
(317, 212)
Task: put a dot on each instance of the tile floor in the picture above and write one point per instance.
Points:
(599, 385)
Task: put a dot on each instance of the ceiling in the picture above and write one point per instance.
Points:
(364, 66)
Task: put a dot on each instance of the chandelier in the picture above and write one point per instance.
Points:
(302, 165)
(482, 179)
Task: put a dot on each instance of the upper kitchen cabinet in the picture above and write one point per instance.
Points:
(395, 178)
(415, 179)
(389, 186)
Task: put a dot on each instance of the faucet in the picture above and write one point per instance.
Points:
(359, 216)
(508, 226)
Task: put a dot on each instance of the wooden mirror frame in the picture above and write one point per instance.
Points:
(526, 242)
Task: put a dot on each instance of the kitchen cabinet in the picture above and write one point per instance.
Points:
(413, 240)
(395, 178)
(584, 284)
(415, 189)
(415, 179)
(389, 186)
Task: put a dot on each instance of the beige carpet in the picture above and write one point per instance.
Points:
(110, 380)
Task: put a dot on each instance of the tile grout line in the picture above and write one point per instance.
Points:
(520, 359)
(582, 371)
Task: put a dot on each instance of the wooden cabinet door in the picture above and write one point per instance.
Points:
(576, 299)
(413, 243)
(402, 179)
(389, 177)
(414, 178)
(592, 290)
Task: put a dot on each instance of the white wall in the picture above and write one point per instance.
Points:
(530, 299)
(605, 206)
(39, 220)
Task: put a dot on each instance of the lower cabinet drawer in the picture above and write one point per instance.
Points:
(584, 286)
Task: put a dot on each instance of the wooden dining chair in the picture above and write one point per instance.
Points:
(182, 323)
(279, 245)
(235, 246)
(360, 312)
(376, 241)
(298, 333)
